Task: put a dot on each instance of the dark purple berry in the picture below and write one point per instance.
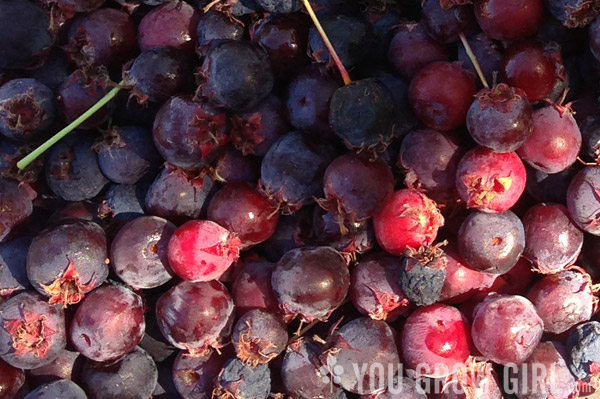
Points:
(259, 337)
(583, 200)
(238, 380)
(16, 208)
(422, 277)
(215, 26)
(13, 274)
(194, 376)
(172, 24)
(57, 389)
(445, 24)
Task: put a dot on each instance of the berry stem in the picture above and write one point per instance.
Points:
(473, 59)
(32, 156)
(332, 53)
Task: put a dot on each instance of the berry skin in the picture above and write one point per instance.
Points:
(242, 87)
(196, 316)
(11, 380)
(532, 67)
(27, 108)
(259, 337)
(490, 182)
(237, 380)
(509, 21)
(375, 290)
(244, 212)
(422, 277)
(280, 6)
(500, 118)
(201, 250)
(13, 275)
(67, 366)
(408, 219)
(445, 24)
(16, 208)
(486, 51)
(366, 342)
(251, 287)
(310, 283)
(506, 329)
(583, 348)
(194, 375)
(108, 324)
(461, 281)
(215, 26)
(172, 24)
(138, 252)
(436, 340)
(67, 261)
(362, 114)
(590, 133)
(476, 380)
(553, 242)
(441, 94)
(411, 49)
(491, 243)
(583, 200)
(573, 13)
(57, 389)
(554, 142)
(432, 171)
(563, 300)
(32, 332)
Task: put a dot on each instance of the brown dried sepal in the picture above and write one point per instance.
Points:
(68, 289)
(253, 351)
(30, 335)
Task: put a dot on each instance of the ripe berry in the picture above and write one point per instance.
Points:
(108, 324)
(13, 275)
(583, 200)
(310, 283)
(67, 366)
(356, 239)
(57, 389)
(500, 119)
(573, 13)
(408, 219)
(201, 250)
(172, 24)
(436, 341)
(553, 241)
(11, 380)
(251, 287)
(280, 6)
(237, 380)
(259, 337)
(509, 21)
(554, 142)
(477, 378)
(490, 182)
(215, 26)
(33, 332)
(441, 94)
(194, 375)
(445, 24)
(583, 348)
(506, 329)
(462, 282)
(16, 208)
(196, 316)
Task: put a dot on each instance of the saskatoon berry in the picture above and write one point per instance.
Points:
(127, 154)
(11, 380)
(573, 13)
(358, 238)
(259, 337)
(461, 281)
(245, 212)
(436, 340)
(411, 49)
(104, 37)
(132, 377)
(491, 243)
(422, 278)
(408, 219)
(58, 389)
(201, 250)
(292, 170)
(445, 24)
(362, 114)
(383, 20)
(172, 24)
(544, 187)
(553, 241)
(196, 316)
(583, 348)
(158, 73)
(67, 261)
(583, 200)
(215, 26)
(16, 208)
(13, 275)
(500, 118)
(139, 252)
(375, 290)
(124, 202)
(33, 331)
(441, 94)
(237, 380)
(490, 182)
(108, 324)
(237, 75)
(563, 300)
(509, 20)
(532, 67)
(405, 120)
(280, 6)
(194, 376)
(590, 133)
(433, 170)
(506, 329)
(54, 71)
(366, 342)
(310, 283)
(26, 109)
(486, 52)
(231, 166)
(185, 131)
(67, 366)
(554, 142)
(251, 287)
(477, 378)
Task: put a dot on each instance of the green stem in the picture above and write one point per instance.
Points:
(474, 60)
(32, 156)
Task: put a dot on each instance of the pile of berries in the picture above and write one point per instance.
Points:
(299, 199)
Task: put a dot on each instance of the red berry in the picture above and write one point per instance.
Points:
(201, 250)
(509, 20)
(171, 24)
(408, 219)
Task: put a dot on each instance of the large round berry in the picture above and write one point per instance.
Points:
(441, 94)
(506, 329)
(57, 389)
(509, 20)
(11, 380)
(436, 341)
(408, 219)
(251, 287)
(583, 200)
(108, 324)
(194, 375)
(32, 332)
(462, 282)
(490, 182)
(311, 283)
(196, 316)
(259, 337)
(201, 250)
(171, 24)
(17, 207)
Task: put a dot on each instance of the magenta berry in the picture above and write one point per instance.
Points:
(462, 282)
(490, 182)
(251, 288)
(201, 250)
(171, 24)
(509, 21)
